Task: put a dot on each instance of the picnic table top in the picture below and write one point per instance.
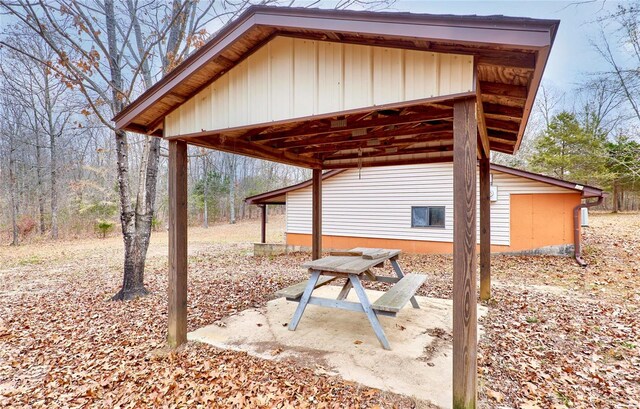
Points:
(351, 264)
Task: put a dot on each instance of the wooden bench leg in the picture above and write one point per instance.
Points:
(345, 290)
(371, 314)
(304, 300)
(400, 274)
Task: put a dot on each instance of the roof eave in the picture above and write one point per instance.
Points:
(586, 191)
(263, 198)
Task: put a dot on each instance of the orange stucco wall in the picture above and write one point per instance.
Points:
(537, 220)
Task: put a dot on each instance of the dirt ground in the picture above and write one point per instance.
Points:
(557, 335)
(46, 252)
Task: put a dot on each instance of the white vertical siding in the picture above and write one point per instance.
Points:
(389, 70)
(219, 106)
(358, 76)
(258, 78)
(238, 100)
(292, 78)
(305, 74)
(281, 80)
(376, 203)
(422, 73)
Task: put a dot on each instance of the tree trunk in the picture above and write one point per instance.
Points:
(54, 158)
(136, 224)
(144, 208)
(14, 199)
(133, 281)
(615, 197)
(134, 227)
(54, 189)
(42, 226)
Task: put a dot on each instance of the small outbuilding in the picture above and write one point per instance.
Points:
(411, 208)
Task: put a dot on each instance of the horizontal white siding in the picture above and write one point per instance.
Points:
(376, 202)
(294, 78)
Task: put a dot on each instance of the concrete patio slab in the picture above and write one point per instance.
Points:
(343, 343)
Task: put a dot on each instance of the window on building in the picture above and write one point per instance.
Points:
(427, 216)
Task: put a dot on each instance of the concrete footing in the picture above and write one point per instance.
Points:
(274, 249)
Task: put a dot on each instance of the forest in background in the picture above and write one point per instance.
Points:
(66, 68)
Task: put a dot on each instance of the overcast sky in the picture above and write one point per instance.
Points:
(572, 55)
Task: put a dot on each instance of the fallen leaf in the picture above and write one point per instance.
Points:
(497, 396)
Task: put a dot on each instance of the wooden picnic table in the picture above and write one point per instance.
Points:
(356, 265)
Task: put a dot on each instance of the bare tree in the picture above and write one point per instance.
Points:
(621, 30)
(47, 100)
(599, 105)
(205, 188)
(95, 65)
(548, 102)
(13, 188)
(109, 52)
(11, 118)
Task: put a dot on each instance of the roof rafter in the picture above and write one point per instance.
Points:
(411, 127)
(381, 138)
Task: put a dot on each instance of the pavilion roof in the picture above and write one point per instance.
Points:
(509, 55)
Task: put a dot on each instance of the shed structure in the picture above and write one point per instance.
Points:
(328, 89)
(385, 207)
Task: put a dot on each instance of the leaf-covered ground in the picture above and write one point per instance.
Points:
(556, 334)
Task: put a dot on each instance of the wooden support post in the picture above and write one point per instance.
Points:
(316, 217)
(485, 228)
(263, 229)
(465, 328)
(177, 317)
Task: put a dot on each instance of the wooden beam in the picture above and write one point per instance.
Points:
(485, 228)
(302, 145)
(263, 230)
(138, 129)
(506, 126)
(482, 126)
(392, 160)
(498, 111)
(500, 141)
(177, 314)
(444, 146)
(513, 60)
(234, 145)
(336, 127)
(442, 102)
(316, 214)
(506, 136)
(464, 255)
(380, 143)
(503, 148)
(517, 92)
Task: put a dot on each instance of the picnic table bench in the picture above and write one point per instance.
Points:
(355, 265)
